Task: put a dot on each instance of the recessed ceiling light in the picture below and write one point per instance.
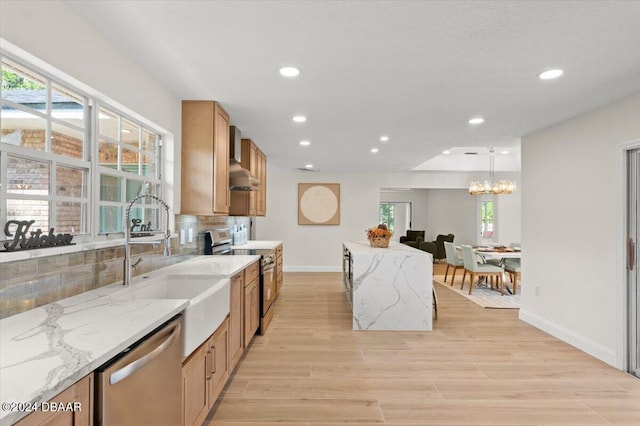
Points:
(504, 152)
(305, 143)
(374, 150)
(289, 71)
(550, 74)
(126, 131)
(299, 118)
(309, 166)
(476, 120)
(384, 138)
(446, 152)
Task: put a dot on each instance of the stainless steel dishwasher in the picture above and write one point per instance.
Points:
(142, 385)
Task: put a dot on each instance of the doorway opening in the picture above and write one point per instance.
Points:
(397, 216)
(486, 220)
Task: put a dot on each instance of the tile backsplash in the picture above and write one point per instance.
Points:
(27, 284)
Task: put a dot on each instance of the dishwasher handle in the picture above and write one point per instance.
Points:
(136, 365)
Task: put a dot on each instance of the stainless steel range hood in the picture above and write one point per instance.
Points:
(240, 179)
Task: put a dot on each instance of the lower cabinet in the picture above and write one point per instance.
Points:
(194, 387)
(251, 310)
(218, 365)
(206, 371)
(71, 407)
(236, 330)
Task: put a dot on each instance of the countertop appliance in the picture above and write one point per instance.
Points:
(142, 385)
(218, 242)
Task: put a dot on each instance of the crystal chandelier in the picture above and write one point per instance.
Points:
(489, 186)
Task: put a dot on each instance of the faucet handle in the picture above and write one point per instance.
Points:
(137, 263)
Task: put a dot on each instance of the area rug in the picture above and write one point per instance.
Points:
(484, 297)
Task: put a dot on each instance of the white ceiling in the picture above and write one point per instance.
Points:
(415, 71)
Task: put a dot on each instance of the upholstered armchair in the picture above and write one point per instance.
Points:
(429, 247)
(441, 253)
(413, 238)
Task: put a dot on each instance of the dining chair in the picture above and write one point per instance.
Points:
(453, 260)
(512, 267)
(474, 269)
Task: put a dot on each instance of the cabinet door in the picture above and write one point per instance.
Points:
(221, 161)
(278, 274)
(195, 377)
(236, 319)
(251, 310)
(253, 168)
(80, 394)
(219, 344)
(262, 176)
(247, 317)
(255, 306)
(197, 157)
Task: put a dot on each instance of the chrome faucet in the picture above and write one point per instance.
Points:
(127, 238)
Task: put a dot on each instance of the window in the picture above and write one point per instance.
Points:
(486, 221)
(48, 168)
(127, 159)
(388, 215)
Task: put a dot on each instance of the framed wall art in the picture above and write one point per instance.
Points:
(318, 204)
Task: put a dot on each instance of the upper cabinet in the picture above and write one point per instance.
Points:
(262, 193)
(205, 159)
(251, 203)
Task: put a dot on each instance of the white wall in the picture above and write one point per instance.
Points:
(572, 228)
(508, 214)
(452, 211)
(318, 248)
(65, 45)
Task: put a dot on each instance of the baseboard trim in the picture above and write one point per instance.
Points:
(312, 269)
(594, 349)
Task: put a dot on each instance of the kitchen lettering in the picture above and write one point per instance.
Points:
(23, 239)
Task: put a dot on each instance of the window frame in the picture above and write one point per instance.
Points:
(90, 157)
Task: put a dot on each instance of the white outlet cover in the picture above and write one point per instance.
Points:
(182, 236)
(190, 235)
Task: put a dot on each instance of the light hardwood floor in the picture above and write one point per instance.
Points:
(477, 367)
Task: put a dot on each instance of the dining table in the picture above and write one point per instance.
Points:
(496, 252)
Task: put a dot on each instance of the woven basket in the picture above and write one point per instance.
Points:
(380, 242)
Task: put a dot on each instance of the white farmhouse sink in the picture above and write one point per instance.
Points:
(208, 297)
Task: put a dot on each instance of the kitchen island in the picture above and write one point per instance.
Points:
(388, 288)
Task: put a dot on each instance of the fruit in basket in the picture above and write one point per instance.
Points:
(379, 231)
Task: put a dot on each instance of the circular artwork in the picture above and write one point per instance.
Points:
(319, 204)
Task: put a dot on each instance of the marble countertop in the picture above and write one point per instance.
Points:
(363, 247)
(45, 350)
(258, 245)
(216, 265)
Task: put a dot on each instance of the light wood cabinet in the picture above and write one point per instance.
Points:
(77, 401)
(218, 362)
(206, 371)
(251, 309)
(261, 209)
(278, 268)
(205, 158)
(195, 377)
(247, 203)
(236, 331)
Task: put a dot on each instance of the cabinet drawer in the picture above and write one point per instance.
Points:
(252, 271)
(238, 279)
